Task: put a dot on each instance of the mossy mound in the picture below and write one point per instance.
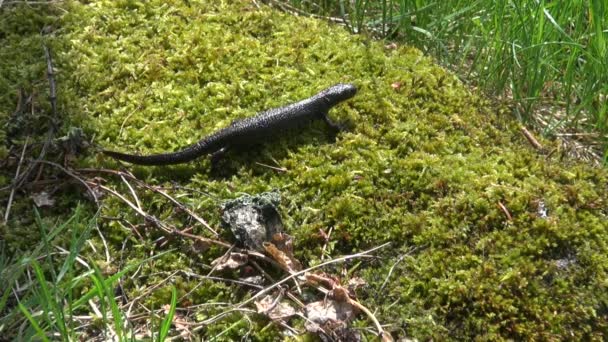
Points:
(490, 239)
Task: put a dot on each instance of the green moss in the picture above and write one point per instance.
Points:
(423, 165)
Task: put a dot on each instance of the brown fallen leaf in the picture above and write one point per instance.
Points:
(285, 261)
(233, 261)
(327, 315)
(355, 283)
(274, 308)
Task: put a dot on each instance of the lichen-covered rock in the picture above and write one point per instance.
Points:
(253, 220)
(490, 238)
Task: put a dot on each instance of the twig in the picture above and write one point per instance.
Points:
(167, 229)
(182, 207)
(132, 191)
(327, 238)
(73, 175)
(10, 197)
(202, 324)
(200, 238)
(158, 223)
(227, 280)
(531, 138)
(390, 272)
(384, 336)
(294, 275)
(505, 211)
(51, 76)
(156, 190)
(152, 288)
(52, 125)
(222, 259)
(296, 12)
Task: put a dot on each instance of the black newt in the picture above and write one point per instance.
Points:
(252, 130)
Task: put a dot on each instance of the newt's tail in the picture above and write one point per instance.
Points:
(179, 157)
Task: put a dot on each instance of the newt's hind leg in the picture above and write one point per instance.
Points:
(336, 126)
(219, 154)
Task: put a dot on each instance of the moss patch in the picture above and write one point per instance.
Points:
(425, 164)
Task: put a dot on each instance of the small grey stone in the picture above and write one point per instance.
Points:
(253, 219)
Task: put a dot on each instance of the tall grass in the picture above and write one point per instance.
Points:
(50, 294)
(538, 53)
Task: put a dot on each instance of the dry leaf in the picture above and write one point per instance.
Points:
(340, 293)
(322, 279)
(285, 259)
(182, 325)
(355, 283)
(328, 314)
(275, 310)
(43, 199)
(390, 46)
(233, 261)
(254, 280)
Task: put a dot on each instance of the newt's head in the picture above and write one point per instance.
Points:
(338, 93)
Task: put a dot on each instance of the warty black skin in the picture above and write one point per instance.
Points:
(254, 129)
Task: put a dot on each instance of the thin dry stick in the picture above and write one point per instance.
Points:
(531, 138)
(296, 12)
(51, 76)
(227, 280)
(280, 169)
(169, 230)
(132, 191)
(296, 274)
(10, 197)
(183, 207)
(289, 294)
(52, 126)
(505, 211)
(328, 237)
(201, 325)
(154, 189)
(390, 272)
(152, 288)
(200, 238)
(158, 223)
(381, 333)
(222, 259)
(73, 175)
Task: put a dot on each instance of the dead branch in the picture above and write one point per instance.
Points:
(18, 182)
(288, 278)
(167, 229)
(73, 175)
(531, 138)
(180, 205)
(10, 197)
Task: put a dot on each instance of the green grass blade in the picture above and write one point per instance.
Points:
(76, 247)
(114, 278)
(49, 302)
(34, 323)
(166, 323)
(105, 289)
